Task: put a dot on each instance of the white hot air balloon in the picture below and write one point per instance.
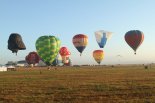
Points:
(102, 37)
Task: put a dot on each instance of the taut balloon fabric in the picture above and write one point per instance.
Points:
(80, 42)
(48, 48)
(15, 43)
(98, 55)
(134, 39)
(102, 37)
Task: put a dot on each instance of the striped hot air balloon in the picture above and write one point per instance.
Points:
(80, 42)
(48, 48)
(134, 39)
(98, 55)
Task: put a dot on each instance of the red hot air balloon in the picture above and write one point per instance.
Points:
(65, 53)
(32, 58)
(134, 39)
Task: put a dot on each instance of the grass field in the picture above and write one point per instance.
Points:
(102, 84)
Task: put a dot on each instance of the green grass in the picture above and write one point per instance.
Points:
(121, 84)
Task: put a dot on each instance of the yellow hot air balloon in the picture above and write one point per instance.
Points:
(98, 55)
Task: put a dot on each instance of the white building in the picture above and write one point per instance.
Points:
(21, 63)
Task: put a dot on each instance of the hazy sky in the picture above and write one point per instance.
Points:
(65, 18)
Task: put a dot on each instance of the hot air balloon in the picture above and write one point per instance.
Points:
(47, 48)
(102, 37)
(80, 42)
(98, 55)
(65, 53)
(15, 43)
(134, 39)
(57, 61)
(32, 58)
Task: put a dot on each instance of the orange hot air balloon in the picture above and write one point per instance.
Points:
(32, 58)
(134, 39)
(65, 53)
(98, 55)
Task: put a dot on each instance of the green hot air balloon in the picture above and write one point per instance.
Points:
(48, 48)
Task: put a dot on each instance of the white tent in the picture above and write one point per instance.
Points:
(3, 69)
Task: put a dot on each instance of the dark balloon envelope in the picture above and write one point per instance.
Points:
(32, 58)
(134, 39)
(15, 43)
